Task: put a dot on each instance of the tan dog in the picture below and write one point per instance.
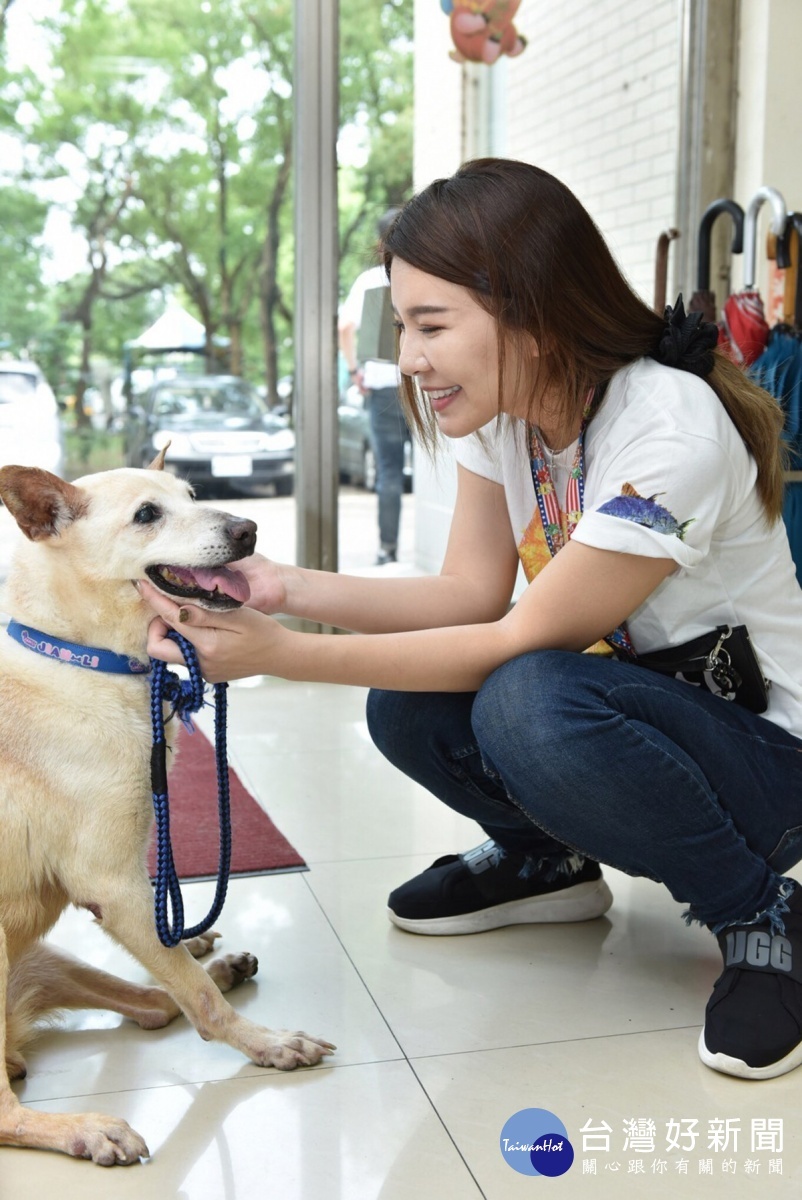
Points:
(75, 797)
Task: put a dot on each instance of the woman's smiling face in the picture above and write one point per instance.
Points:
(450, 345)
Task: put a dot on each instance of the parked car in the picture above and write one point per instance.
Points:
(31, 432)
(357, 459)
(220, 432)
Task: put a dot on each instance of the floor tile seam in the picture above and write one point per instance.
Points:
(242, 743)
(407, 1058)
(266, 1075)
(591, 1037)
(446, 1129)
(355, 968)
(344, 862)
(368, 858)
(306, 881)
(297, 752)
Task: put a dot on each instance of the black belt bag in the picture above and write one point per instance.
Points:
(723, 661)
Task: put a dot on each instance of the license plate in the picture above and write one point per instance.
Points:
(224, 465)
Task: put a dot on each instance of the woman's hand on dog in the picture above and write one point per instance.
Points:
(230, 645)
(266, 581)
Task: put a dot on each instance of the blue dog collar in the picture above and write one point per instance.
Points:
(75, 655)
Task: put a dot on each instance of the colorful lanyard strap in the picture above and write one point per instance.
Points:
(558, 525)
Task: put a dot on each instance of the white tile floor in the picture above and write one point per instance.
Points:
(440, 1041)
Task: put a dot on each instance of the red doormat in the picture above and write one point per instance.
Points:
(257, 846)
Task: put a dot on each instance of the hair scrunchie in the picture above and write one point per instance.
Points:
(687, 341)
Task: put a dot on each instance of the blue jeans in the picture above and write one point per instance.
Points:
(388, 433)
(561, 754)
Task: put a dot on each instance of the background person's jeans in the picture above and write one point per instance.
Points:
(561, 753)
(388, 434)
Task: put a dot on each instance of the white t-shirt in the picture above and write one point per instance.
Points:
(668, 476)
(377, 374)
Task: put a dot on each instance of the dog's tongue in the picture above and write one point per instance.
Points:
(233, 583)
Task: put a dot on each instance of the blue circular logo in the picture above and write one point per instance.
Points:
(534, 1142)
(552, 1154)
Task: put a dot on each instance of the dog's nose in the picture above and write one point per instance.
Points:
(244, 534)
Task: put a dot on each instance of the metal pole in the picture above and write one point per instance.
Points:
(316, 266)
(706, 160)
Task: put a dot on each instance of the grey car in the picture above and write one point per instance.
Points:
(221, 434)
(357, 459)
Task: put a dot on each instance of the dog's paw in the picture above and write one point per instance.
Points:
(108, 1141)
(232, 970)
(287, 1050)
(202, 944)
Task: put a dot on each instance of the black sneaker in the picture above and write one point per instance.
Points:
(753, 1021)
(482, 889)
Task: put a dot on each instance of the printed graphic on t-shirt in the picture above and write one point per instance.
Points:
(631, 506)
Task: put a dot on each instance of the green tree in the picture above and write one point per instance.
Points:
(23, 296)
(85, 127)
(376, 91)
(216, 198)
(4, 7)
(165, 131)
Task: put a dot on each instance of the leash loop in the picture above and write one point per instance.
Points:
(184, 698)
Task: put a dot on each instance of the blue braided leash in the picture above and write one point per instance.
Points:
(184, 697)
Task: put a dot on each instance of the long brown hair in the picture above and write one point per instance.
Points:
(523, 245)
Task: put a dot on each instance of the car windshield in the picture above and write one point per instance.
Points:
(16, 384)
(195, 400)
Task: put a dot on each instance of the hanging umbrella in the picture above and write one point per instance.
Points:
(743, 318)
(788, 254)
(779, 367)
(779, 371)
(703, 300)
(661, 268)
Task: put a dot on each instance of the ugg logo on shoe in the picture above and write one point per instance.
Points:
(757, 948)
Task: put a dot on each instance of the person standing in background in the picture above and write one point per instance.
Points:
(379, 383)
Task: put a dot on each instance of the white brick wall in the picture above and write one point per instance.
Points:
(595, 100)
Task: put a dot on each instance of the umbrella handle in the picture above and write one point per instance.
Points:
(710, 214)
(661, 268)
(778, 220)
(794, 223)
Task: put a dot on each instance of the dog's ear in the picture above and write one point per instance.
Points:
(40, 503)
(158, 462)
